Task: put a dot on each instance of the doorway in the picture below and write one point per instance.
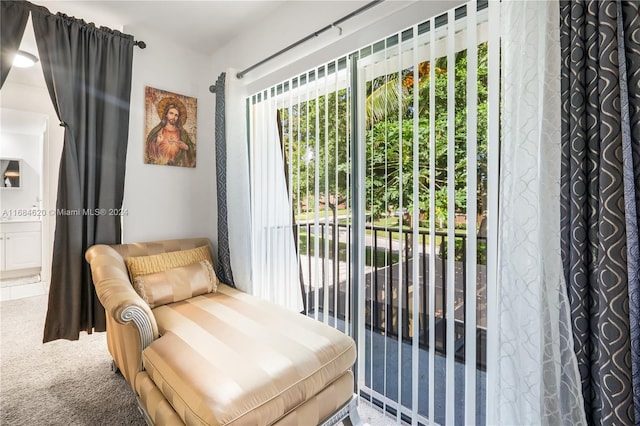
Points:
(25, 98)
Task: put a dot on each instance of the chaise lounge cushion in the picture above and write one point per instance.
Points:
(229, 358)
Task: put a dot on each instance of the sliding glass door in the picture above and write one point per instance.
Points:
(388, 158)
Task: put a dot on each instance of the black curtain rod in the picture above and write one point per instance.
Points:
(335, 24)
(32, 6)
(312, 35)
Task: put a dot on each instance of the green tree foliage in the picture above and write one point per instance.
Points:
(389, 142)
(392, 122)
(314, 148)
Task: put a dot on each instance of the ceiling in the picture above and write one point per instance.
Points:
(205, 26)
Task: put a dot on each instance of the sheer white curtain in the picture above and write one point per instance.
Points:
(274, 254)
(238, 201)
(262, 252)
(537, 380)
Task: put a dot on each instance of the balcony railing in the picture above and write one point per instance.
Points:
(389, 259)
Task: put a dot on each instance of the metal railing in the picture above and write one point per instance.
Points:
(389, 272)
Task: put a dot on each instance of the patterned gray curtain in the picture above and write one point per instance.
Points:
(14, 18)
(223, 261)
(88, 74)
(600, 202)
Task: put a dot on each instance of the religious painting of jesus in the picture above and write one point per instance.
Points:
(170, 126)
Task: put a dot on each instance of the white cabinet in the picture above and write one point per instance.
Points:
(20, 246)
(22, 250)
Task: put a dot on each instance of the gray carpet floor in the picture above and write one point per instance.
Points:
(61, 382)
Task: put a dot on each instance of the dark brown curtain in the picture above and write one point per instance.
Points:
(601, 142)
(13, 17)
(88, 74)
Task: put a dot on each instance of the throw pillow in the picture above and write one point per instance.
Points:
(176, 284)
(143, 265)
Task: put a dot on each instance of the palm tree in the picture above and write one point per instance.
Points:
(394, 90)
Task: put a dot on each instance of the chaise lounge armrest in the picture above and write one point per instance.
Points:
(124, 308)
(117, 295)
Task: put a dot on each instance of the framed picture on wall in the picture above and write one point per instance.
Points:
(170, 128)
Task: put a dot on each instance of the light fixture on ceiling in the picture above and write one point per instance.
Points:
(24, 59)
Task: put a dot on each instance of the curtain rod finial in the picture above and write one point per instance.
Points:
(141, 44)
(212, 88)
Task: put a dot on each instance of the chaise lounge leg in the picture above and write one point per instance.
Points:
(114, 367)
(354, 417)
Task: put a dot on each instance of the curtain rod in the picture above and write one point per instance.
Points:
(335, 24)
(32, 6)
(312, 35)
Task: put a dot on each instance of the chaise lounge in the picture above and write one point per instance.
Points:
(199, 352)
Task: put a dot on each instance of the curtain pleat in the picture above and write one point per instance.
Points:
(88, 74)
(223, 262)
(594, 227)
(14, 17)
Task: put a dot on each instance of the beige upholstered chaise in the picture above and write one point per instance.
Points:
(222, 357)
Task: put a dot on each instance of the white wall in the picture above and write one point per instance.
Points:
(165, 202)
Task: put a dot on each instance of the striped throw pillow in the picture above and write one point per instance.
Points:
(176, 284)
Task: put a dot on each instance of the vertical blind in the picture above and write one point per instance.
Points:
(423, 164)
